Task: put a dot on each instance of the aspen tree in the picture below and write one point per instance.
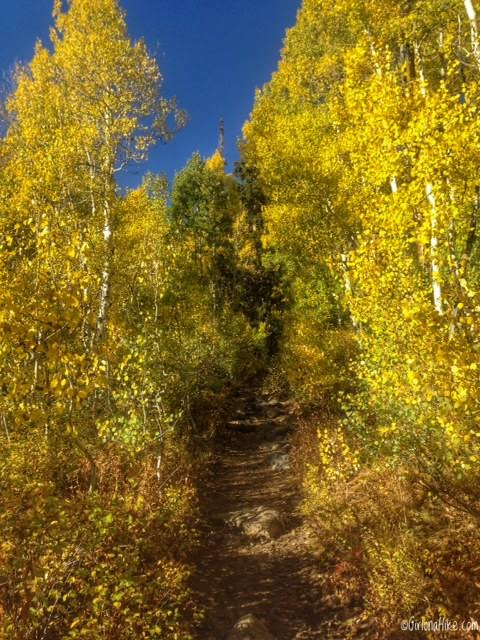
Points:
(112, 88)
(366, 142)
(472, 18)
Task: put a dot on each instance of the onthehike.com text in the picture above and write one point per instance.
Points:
(439, 625)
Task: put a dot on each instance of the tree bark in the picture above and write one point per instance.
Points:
(348, 285)
(436, 283)
(472, 18)
(106, 272)
(108, 170)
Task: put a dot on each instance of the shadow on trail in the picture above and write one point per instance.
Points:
(238, 574)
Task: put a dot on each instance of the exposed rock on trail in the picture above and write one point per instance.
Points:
(260, 523)
(256, 572)
(280, 462)
(249, 628)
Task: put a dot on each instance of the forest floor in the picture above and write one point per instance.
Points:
(240, 568)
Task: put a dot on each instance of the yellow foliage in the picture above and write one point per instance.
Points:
(216, 163)
(366, 141)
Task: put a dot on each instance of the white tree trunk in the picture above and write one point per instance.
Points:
(346, 277)
(107, 172)
(421, 73)
(378, 68)
(472, 18)
(106, 275)
(348, 285)
(436, 282)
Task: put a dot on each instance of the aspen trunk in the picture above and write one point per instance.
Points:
(421, 74)
(378, 69)
(347, 284)
(106, 272)
(434, 264)
(472, 18)
(436, 283)
(108, 186)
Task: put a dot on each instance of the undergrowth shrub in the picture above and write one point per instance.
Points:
(396, 549)
(104, 563)
(315, 360)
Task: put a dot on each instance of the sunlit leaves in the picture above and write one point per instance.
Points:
(366, 145)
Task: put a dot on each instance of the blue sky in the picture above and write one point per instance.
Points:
(213, 54)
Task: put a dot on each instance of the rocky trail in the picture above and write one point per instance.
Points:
(257, 577)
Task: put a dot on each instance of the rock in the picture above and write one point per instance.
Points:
(281, 432)
(250, 628)
(259, 523)
(237, 518)
(242, 426)
(273, 412)
(266, 524)
(279, 462)
(279, 447)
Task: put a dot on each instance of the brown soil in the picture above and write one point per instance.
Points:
(278, 581)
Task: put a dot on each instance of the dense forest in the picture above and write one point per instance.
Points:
(338, 265)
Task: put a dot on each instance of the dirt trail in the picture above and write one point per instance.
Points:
(275, 580)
